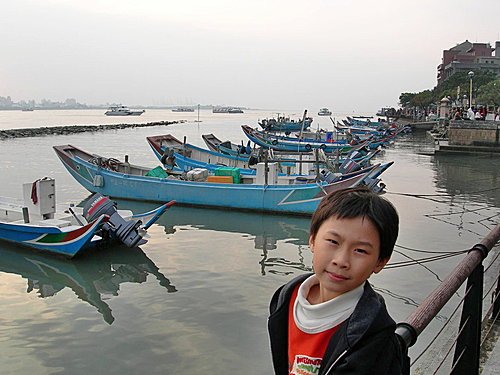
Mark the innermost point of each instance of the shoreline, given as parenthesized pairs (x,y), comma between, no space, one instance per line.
(73,129)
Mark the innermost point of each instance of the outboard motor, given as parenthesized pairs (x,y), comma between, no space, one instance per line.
(126,231)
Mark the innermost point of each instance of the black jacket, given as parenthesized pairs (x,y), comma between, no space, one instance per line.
(364,344)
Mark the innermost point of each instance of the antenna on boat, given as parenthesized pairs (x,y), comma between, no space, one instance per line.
(303,122)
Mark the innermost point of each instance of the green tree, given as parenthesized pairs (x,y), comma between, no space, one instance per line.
(450,88)
(489,94)
(423,99)
(405,99)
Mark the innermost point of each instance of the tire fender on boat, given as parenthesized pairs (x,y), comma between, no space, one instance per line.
(323,146)
(308,147)
(274,142)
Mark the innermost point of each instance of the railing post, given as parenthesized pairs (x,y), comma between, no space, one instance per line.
(496,301)
(466,357)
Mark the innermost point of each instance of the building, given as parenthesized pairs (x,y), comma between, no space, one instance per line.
(469,56)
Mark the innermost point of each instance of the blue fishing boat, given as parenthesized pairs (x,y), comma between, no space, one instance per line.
(288,144)
(183,156)
(367,122)
(35,223)
(260,192)
(285,124)
(227,147)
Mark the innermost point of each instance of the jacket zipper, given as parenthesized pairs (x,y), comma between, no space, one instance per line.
(334,363)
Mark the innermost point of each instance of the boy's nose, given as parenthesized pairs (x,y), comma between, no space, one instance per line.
(341,258)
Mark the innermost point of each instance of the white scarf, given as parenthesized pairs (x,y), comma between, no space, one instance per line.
(323,316)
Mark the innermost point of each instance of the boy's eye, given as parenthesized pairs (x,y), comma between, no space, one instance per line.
(361,251)
(331,240)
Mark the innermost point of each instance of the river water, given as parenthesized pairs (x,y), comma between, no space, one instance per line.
(194,299)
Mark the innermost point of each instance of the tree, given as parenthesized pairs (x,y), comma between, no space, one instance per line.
(450,88)
(405,99)
(423,99)
(489,94)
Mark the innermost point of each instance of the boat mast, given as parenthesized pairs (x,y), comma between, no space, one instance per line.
(198,114)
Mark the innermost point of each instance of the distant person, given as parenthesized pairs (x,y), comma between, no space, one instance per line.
(477,116)
(332,321)
(470,114)
(484,112)
(457,115)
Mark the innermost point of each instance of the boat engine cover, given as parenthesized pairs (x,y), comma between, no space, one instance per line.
(119,228)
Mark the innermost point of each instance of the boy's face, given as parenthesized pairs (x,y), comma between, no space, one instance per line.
(345,254)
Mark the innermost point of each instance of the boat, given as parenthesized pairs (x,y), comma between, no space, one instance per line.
(324,112)
(220,109)
(34,222)
(386,111)
(183,109)
(186,156)
(260,192)
(367,122)
(27,109)
(183,156)
(289,144)
(121,110)
(285,124)
(360,156)
(226,147)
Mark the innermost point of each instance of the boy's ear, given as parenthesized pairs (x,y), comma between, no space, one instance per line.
(380,264)
(311,243)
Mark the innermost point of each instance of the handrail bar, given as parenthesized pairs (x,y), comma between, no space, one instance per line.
(409,329)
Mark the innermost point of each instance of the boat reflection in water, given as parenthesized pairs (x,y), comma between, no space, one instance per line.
(92,278)
(266,230)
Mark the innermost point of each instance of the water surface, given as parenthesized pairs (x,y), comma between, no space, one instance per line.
(194,299)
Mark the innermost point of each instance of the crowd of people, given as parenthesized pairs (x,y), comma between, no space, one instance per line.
(474,113)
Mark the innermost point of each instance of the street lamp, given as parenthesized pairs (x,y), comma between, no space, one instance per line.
(471,75)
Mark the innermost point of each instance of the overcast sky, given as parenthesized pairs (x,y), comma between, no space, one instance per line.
(347,55)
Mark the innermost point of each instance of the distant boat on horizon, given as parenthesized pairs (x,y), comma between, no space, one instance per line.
(227,110)
(183,109)
(324,112)
(28,109)
(121,110)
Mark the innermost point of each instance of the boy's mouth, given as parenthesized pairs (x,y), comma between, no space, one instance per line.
(336,277)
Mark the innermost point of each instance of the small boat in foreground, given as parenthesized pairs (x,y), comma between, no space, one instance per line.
(259,192)
(121,110)
(34,222)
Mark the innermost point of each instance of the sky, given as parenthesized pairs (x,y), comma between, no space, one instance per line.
(346,55)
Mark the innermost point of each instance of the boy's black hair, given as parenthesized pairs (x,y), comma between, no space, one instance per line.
(360,202)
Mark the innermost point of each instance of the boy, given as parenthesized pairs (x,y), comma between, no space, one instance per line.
(332,321)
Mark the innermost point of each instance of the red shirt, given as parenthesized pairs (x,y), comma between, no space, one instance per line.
(305,350)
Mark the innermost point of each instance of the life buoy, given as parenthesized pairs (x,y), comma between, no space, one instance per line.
(323,146)
(274,142)
(308,147)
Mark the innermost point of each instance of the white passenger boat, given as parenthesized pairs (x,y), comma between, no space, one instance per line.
(121,110)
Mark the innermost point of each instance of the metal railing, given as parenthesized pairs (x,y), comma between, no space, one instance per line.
(468,342)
